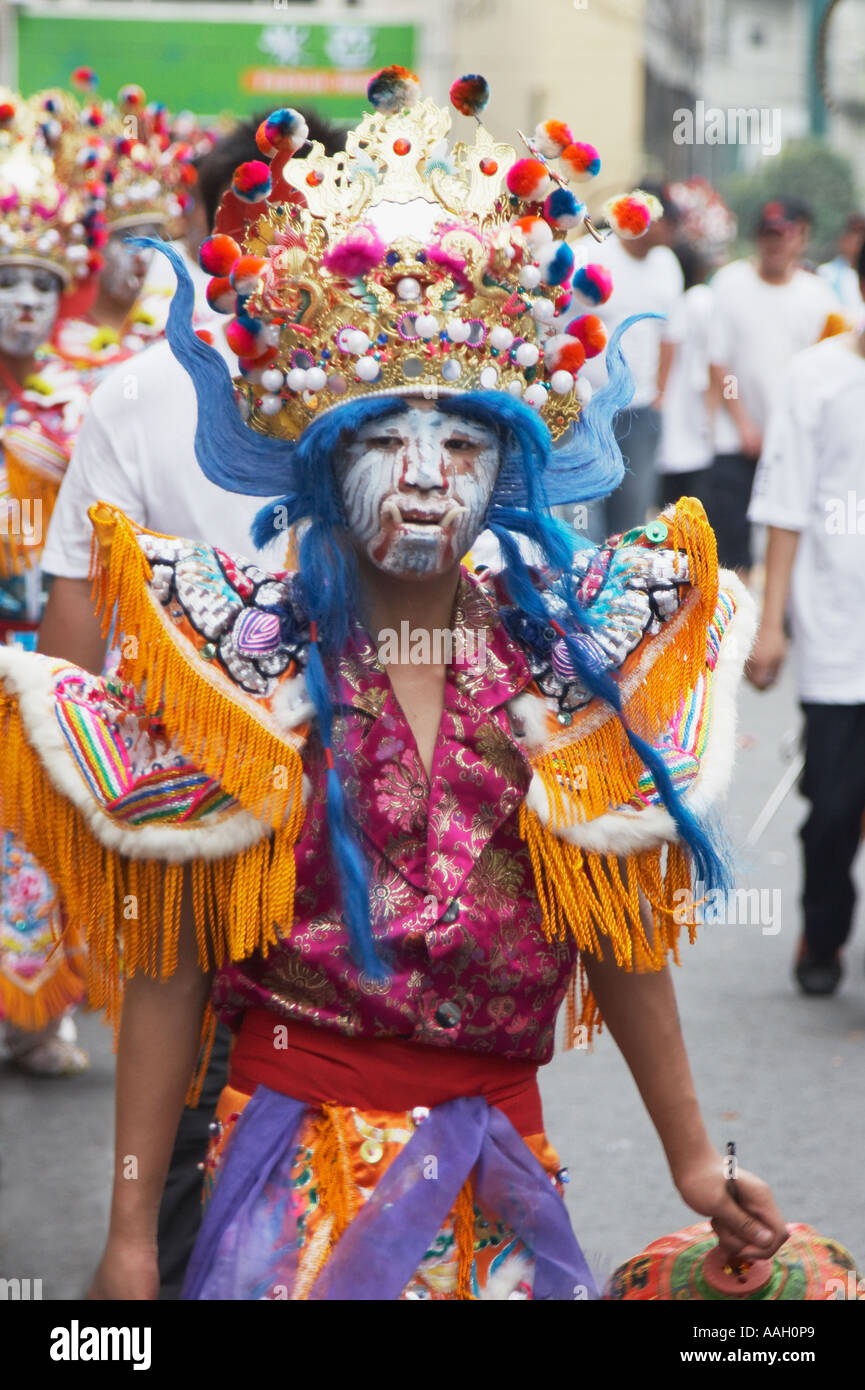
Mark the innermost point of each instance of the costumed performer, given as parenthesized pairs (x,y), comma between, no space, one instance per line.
(49,238)
(387,874)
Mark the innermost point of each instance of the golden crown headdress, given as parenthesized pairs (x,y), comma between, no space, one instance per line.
(126,144)
(399,266)
(49,214)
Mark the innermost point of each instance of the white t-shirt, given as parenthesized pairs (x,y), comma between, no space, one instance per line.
(651,285)
(138,453)
(756,329)
(810,478)
(686,434)
(844,282)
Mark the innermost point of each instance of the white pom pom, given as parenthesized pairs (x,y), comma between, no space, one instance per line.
(368,369)
(501,337)
(315,379)
(527,354)
(538,234)
(457,330)
(515,389)
(296,379)
(535,396)
(584,391)
(270,405)
(543,310)
(357,341)
(272,379)
(561,382)
(426,325)
(530,277)
(408,288)
(488,378)
(269,335)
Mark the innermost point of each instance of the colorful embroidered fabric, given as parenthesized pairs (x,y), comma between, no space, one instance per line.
(481,895)
(39,979)
(338,1158)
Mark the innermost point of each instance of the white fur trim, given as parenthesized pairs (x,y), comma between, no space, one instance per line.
(291,704)
(31,679)
(631,831)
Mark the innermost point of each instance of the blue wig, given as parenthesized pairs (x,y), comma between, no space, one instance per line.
(585,465)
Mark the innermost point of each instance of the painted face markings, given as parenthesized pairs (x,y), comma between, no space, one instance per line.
(416,486)
(29,301)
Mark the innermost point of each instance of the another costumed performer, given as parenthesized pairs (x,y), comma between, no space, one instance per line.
(407,864)
(47,241)
(144,176)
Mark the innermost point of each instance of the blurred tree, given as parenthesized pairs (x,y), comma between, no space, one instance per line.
(806,169)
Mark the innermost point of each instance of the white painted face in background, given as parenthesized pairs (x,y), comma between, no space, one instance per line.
(416,486)
(29,301)
(125,268)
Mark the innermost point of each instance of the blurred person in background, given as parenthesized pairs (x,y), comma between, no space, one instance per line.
(767,308)
(807,492)
(842,272)
(647,278)
(138,453)
(685,447)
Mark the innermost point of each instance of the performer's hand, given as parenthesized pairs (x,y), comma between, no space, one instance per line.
(748,1226)
(767,657)
(128,1270)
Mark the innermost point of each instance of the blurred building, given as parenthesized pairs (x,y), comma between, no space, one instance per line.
(756,59)
(576,60)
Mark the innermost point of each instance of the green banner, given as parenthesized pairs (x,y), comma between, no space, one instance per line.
(209,66)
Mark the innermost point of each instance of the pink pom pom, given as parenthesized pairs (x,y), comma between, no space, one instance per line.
(593,285)
(242,341)
(528,179)
(582,160)
(551,137)
(251,182)
(218,253)
(356,254)
(283,132)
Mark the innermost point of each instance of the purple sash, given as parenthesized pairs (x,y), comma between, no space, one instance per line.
(249,1243)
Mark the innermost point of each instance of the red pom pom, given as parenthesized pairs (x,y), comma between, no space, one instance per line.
(528,179)
(84,79)
(246,273)
(583,160)
(205,335)
(589,331)
(571,358)
(239,338)
(221,295)
(218,254)
(470,94)
(7,111)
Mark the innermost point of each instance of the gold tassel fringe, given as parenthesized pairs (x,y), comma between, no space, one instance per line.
(220,734)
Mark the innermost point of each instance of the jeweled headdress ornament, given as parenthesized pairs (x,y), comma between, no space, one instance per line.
(403,266)
(50,209)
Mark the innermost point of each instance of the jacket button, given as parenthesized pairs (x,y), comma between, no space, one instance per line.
(448,1014)
(452,911)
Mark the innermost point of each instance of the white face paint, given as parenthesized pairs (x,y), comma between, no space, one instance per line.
(415,488)
(125,268)
(29,301)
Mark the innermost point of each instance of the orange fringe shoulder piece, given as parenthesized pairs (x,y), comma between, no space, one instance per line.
(599,838)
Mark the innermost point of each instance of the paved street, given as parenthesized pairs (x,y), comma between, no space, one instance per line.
(779,1074)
